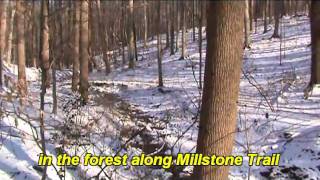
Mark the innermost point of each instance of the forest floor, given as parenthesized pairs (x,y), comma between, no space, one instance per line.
(128,113)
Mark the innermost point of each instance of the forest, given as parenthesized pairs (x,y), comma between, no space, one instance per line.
(159,89)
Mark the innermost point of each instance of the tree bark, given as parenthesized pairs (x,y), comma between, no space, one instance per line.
(123,32)
(276,19)
(183,29)
(315,43)
(193,21)
(54,89)
(103,39)
(22,81)
(75,71)
(296,4)
(130,36)
(8,50)
(167,7)
(256,3)
(172,28)
(270,11)
(160,82)
(45,66)
(247,40)
(33,37)
(222,77)
(84,46)
(251,8)
(44,45)
(135,42)
(145,23)
(61,15)
(200,43)
(178,24)
(3,26)
(265,16)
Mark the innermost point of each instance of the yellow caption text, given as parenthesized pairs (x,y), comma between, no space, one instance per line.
(187,159)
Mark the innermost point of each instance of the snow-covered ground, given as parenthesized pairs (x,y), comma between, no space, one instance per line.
(128,113)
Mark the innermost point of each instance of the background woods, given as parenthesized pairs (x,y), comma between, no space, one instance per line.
(159,78)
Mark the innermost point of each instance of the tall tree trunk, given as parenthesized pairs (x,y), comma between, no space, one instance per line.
(296,4)
(200,43)
(256,9)
(44,45)
(247,40)
(315,43)
(3,26)
(251,8)
(8,50)
(28,35)
(131,36)
(145,23)
(308,6)
(276,19)
(193,21)
(265,17)
(53,66)
(222,77)
(167,7)
(54,89)
(172,28)
(84,46)
(33,37)
(150,20)
(75,71)
(135,42)
(61,16)
(178,24)
(68,35)
(123,32)
(103,39)
(270,11)
(91,35)
(22,81)
(45,66)
(183,29)
(160,82)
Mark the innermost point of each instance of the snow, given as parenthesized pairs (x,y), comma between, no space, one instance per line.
(273,116)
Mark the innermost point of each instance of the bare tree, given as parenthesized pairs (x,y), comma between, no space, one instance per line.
(172,28)
(315,46)
(44,45)
(45,67)
(247,40)
(193,20)
(131,35)
(177,23)
(84,46)
(10,32)
(103,39)
(167,7)
(3,26)
(75,71)
(33,37)
(145,23)
(123,32)
(200,43)
(277,13)
(221,88)
(251,10)
(183,29)
(22,81)
(265,16)
(159,45)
